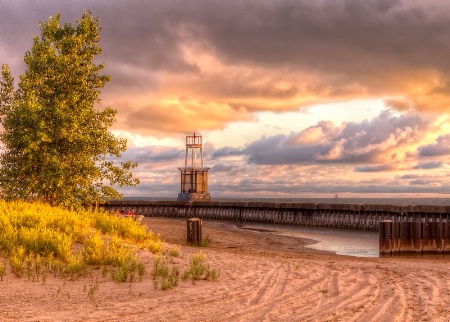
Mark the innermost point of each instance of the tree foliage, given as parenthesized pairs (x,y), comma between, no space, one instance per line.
(56,144)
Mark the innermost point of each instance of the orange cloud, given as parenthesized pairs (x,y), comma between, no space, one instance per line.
(180,115)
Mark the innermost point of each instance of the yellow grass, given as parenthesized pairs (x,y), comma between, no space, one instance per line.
(37,239)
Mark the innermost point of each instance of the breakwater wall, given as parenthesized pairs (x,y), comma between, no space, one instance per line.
(397,238)
(344,216)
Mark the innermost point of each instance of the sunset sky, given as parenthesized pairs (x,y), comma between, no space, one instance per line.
(293,98)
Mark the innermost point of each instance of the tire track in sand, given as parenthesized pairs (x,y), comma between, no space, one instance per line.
(275,293)
(268,294)
(388,306)
(264,286)
(348,291)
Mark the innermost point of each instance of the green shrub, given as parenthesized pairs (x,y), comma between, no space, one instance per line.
(165,275)
(212,274)
(174,251)
(199,269)
(141,270)
(120,274)
(205,241)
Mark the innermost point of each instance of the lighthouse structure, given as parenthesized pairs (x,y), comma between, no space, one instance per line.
(194,177)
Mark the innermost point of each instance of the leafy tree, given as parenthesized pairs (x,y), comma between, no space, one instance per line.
(56,145)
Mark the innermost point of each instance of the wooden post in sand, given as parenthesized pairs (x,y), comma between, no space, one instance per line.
(194,231)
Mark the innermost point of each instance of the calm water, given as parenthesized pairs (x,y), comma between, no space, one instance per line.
(342,242)
(388,201)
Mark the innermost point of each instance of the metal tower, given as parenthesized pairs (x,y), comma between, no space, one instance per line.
(194,178)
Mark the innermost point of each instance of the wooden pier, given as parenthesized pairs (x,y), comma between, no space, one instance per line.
(343,216)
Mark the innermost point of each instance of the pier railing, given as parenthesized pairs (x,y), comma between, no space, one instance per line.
(345,216)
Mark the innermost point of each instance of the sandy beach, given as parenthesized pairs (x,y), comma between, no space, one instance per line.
(264,277)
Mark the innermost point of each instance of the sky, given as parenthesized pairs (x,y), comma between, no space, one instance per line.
(294,99)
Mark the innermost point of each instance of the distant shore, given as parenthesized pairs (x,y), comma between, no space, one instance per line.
(385,201)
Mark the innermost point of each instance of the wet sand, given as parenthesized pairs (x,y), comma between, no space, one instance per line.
(264,277)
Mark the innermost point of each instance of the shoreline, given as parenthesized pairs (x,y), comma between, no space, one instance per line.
(305,242)
(318,240)
(263,277)
(225,234)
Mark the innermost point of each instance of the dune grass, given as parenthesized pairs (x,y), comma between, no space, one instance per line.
(199,269)
(38,239)
(165,273)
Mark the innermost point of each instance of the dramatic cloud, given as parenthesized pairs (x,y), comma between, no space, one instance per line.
(373,168)
(377,140)
(231,170)
(180,66)
(226,151)
(440,148)
(420,182)
(429,165)
(154,154)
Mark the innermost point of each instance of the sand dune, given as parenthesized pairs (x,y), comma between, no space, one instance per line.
(263,278)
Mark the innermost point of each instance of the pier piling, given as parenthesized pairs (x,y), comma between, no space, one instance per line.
(414,237)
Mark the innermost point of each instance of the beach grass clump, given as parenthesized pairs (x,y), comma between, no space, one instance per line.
(199,269)
(16,260)
(2,270)
(75,267)
(174,251)
(94,288)
(38,239)
(205,241)
(165,273)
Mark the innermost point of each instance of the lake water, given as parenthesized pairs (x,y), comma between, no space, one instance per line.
(342,242)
